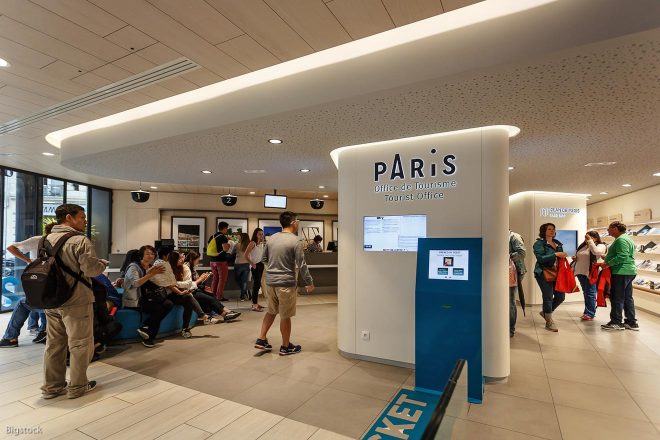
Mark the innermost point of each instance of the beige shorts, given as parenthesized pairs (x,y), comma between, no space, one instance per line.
(281,300)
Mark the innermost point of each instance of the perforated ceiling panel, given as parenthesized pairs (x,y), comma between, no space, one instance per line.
(591,104)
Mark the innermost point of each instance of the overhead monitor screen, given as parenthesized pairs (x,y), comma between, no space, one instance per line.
(449,264)
(568,238)
(274,201)
(393,233)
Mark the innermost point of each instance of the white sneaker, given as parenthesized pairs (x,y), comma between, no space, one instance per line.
(186,333)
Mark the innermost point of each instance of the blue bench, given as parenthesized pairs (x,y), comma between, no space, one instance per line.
(130,321)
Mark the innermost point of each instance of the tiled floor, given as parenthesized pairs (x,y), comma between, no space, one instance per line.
(580,383)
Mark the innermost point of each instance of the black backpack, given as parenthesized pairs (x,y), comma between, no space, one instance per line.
(43,280)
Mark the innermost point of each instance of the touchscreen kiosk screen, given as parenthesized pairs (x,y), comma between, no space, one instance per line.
(393,233)
(448,264)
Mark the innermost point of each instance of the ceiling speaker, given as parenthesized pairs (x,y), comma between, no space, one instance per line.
(316,203)
(140,196)
(228,200)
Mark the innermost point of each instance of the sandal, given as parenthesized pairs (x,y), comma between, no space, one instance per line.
(257,308)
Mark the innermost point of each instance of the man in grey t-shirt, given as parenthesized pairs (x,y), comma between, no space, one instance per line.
(282,255)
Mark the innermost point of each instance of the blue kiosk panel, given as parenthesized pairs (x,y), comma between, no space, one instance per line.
(448,313)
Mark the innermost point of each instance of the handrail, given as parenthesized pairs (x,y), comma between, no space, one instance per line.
(441,407)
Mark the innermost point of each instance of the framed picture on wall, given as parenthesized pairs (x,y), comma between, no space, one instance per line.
(235,228)
(188,233)
(309,229)
(270,226)
(335,230)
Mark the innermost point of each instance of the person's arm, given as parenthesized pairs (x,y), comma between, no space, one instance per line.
(302,267)
(224,241)
(519,251)
(187,283)
(597,249)
(264,257)
(90,264)
(18,254)
(246,254)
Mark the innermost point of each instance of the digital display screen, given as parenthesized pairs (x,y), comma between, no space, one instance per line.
(449,264)
(568,238)
(393,233)
(274,201)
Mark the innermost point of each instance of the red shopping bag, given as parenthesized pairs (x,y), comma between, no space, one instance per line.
(565,277)
(593,273)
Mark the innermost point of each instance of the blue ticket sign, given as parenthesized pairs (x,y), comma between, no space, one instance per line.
(448,313)
(405,417)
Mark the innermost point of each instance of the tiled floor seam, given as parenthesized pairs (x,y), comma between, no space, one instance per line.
(554,405)
(625,388)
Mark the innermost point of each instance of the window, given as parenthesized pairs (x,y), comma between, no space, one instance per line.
(52,191)
(100,221)
(28,203)
(19,221)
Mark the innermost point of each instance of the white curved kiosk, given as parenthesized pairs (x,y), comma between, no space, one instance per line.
(457,184)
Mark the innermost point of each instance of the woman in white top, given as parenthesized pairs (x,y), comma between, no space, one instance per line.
(588,253)
(253,253)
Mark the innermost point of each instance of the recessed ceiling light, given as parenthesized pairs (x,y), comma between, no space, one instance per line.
(304,170)
(206,172)
(511,168)
(252,192)
(275,141)
(599,164)
(627,185)
(48,154)
(603,193)
(4,63)
(325,196)
(254,171)
(656,174)
(153,187)
(321,186)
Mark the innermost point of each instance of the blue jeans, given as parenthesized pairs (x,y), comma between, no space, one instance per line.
(589,291)
(33,319)
(241,272)
(18,317)
(551,298)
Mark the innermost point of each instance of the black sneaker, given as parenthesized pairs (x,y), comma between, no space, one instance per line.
(262,344)
(142,331)
(291,349)
(6,343)
(231,316)
(612,326)
(149,343)
(634,326)
(40,338)
(90,386)
(100,349)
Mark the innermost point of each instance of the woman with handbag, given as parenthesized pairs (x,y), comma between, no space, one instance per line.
(586,269)
(547,250)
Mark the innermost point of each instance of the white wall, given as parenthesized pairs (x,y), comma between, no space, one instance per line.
(647,198)
(377,289)
(136,224)
(526,217)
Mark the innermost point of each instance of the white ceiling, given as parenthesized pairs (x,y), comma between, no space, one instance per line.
(592,103)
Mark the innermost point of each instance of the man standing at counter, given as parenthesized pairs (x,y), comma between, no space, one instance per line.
(621,260)
(282,255)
